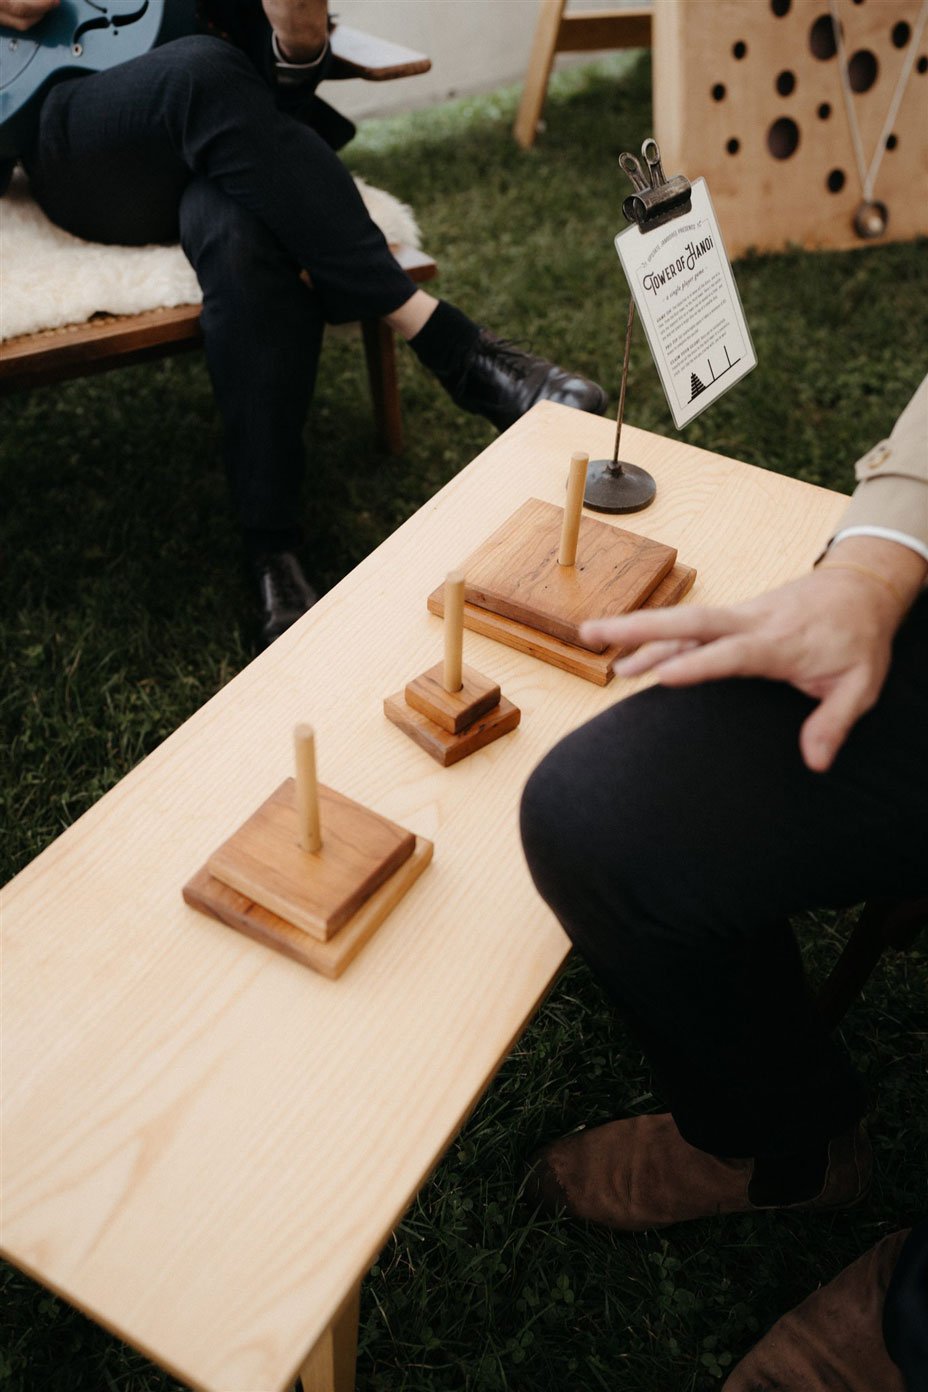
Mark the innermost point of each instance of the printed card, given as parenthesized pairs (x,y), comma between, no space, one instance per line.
(686,295)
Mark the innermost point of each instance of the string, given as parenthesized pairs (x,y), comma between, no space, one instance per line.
(867,176)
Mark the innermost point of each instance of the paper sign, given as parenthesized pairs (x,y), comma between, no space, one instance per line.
(686,296)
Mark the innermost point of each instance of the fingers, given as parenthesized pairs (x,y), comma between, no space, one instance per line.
(829,725)
(692,624)
(649,656)
(729,657)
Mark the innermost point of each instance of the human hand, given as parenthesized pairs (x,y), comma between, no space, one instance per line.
(301,26)
(23,14)
(829,634)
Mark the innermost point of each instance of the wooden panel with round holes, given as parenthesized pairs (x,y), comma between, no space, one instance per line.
(750,96)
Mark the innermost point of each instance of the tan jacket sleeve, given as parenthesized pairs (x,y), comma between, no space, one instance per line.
(892,491)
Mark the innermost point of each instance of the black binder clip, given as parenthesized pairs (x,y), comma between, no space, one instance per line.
(656,199)
(612,486)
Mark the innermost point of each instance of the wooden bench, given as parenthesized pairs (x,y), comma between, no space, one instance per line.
(107,340)
(575,31)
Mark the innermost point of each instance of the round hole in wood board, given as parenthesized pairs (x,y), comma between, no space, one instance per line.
(783,138)
(822,38)
(862,70)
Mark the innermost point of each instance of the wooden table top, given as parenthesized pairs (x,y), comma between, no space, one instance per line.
(204,1143)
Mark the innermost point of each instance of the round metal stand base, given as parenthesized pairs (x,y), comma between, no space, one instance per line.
(627,490)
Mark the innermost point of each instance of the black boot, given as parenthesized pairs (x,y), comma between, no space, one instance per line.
(284,592)
(501,382)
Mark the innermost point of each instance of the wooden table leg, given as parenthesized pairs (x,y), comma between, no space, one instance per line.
(544,47)
(330,1365)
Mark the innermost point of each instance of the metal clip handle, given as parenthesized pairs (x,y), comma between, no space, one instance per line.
(632,168)
(652,158)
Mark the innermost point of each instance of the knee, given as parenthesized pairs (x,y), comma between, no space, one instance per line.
(202,77)
(575,828)
(224,241)
(598,823)
(552,814)
(202,61)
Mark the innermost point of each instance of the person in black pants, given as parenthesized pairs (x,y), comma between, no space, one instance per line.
(780,764)
(218,139)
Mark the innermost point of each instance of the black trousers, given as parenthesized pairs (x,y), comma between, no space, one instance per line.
(188,142)
(674,835)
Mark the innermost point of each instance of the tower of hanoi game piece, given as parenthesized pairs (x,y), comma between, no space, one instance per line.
(451,710)
(573,508)
(311,873)
(546,569)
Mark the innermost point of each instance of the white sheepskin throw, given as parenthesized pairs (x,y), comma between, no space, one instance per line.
(49,278)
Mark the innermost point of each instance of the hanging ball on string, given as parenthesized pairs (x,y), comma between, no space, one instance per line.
(870,220)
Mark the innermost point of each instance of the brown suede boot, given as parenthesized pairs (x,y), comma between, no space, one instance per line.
(833,1341)
(641,1173)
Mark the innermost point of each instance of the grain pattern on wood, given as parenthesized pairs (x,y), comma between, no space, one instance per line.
(211,896)
(595,667)
(452,710)
(153,1090)
(516,573)
(444,747)
(316,892)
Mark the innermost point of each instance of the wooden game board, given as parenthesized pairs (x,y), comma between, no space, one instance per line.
(516,574)
(518,594)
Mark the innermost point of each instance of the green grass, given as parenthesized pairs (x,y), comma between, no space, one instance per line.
(124,609)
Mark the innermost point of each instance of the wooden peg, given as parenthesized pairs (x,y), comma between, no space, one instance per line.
(452,671)
(307,789)
(570,527)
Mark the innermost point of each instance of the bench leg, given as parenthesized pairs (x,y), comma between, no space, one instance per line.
(330,1366)
(538,73)
(380,352)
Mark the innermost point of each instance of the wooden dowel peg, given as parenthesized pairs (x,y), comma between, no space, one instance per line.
(570,528)
(307,789)
(452,670)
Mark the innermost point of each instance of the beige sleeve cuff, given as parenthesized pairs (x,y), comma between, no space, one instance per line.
(892,492)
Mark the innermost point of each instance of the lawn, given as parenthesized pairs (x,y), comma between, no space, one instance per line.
(124,608)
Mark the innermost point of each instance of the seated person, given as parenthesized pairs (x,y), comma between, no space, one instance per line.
(779,764)
(218,140)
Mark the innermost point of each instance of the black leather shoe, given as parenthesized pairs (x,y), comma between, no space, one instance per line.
(284,591)
(501,382)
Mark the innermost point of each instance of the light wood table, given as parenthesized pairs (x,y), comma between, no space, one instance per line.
(204,1143)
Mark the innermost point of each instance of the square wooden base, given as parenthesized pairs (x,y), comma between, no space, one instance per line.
(315,892)
(443,746)
(594,667)
(454,711)
(515,573)
(212,897)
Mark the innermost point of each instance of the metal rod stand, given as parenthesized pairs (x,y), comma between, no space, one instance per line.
(612,486)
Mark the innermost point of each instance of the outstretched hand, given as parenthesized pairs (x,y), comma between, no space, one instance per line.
(829,634)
